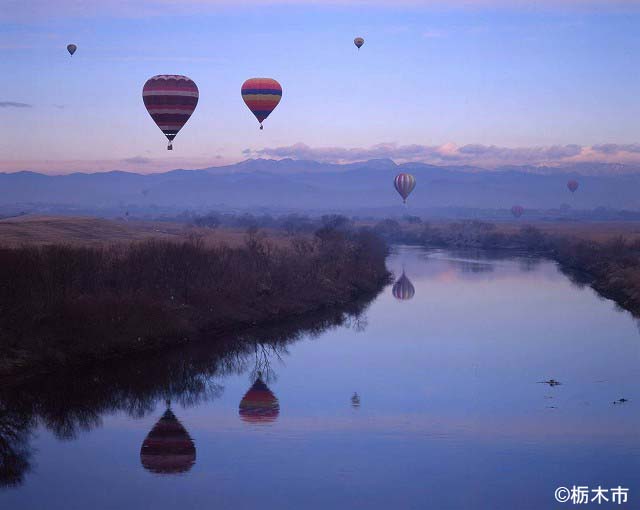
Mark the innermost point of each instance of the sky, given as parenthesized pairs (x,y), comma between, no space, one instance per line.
(485,82)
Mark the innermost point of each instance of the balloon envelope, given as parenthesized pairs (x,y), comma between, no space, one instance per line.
(71,48)
(358,41)
(259,404)
(170,100)
(403,289)
(573,186)
(261,95)
(168,448)
(404,184)
(517,210)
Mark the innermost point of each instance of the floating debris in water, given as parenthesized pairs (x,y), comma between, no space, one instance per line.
(550,382)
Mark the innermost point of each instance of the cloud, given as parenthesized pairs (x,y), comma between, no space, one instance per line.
(137,160)
(487,156)
(13,104)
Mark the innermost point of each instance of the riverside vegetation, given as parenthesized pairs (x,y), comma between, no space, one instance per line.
(62,305)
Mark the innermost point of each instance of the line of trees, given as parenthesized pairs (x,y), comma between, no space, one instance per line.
(67,304)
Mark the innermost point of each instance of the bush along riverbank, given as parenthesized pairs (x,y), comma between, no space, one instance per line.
(66,305)
(611,267)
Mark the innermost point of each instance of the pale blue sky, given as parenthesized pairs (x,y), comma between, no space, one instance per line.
(538,74)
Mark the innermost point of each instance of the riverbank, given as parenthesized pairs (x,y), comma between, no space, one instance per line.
(606,258)
(69,305)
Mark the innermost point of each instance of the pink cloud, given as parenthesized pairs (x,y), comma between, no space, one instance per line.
(487,156)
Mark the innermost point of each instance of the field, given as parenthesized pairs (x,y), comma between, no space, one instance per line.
(43,230)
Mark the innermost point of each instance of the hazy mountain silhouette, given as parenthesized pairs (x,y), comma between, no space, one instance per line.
(310,185)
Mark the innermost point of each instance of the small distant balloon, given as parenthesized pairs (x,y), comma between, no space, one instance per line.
(403,289)
(517,210)
(261,95)
(573,186)
(71,48)
(170,99)
(358,41)
(404,183)
(355,400)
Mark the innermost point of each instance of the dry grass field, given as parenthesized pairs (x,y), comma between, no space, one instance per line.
(41,230)
(584,231)
(593,231)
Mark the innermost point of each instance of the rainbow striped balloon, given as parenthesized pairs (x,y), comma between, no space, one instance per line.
(404,184)
(261,95)
(170,99)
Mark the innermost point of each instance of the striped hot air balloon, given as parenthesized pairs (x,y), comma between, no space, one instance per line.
(517,210)
(168,448)
(259,404)
(403,289)
(404,184)
(358,41)
(71,48)
(261,95)
(573,186)
(170,99)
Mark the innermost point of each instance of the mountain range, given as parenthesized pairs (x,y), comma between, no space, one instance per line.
(294,185)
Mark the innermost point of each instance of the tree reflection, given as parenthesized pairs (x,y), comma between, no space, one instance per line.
(68,404)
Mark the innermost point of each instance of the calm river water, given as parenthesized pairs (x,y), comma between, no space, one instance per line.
(432,397)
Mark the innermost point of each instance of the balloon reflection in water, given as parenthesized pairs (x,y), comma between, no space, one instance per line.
(168,448)
(259,404)
(403,288)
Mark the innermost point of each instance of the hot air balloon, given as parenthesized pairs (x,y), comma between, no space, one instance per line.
(358,41)
(168,448)
(261,95)
(259,404)
(404,184)
(573,186)
(71,48)
(403,288)
(170,100)
(355,400)
(517,210)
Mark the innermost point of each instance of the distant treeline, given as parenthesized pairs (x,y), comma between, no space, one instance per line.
(290,223)
(62,305)
(611,267)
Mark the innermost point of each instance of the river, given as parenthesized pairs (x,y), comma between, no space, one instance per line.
(432,395)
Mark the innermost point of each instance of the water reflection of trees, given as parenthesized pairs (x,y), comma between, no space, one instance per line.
(69,404)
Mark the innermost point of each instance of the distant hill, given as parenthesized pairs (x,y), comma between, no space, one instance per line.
(291,185)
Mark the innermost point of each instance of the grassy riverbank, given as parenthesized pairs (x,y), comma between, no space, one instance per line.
(64,305)
(605,256)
